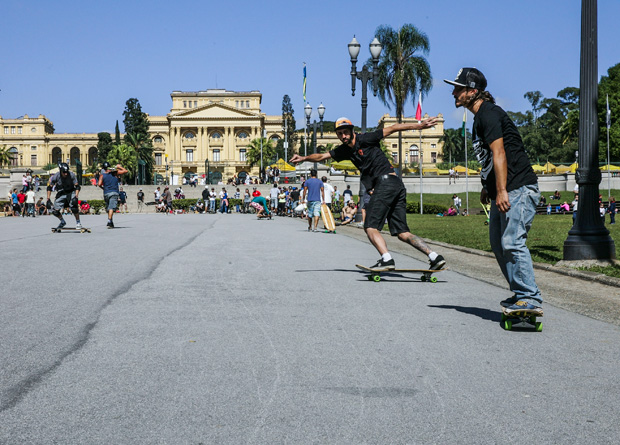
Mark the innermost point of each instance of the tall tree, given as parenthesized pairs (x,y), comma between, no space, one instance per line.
(104,145)
(117,134)
(124,155)
(288,117)
(402,70)
(5,156)
(609,85)
(136,122)
(452,141)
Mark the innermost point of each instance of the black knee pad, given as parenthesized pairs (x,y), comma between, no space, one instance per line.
(56,213)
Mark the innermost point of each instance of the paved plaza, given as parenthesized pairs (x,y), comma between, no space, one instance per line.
(222,329)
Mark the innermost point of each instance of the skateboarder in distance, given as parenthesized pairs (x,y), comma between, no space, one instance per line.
(389,199)
(67,190)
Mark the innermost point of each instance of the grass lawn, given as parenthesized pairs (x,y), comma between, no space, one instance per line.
(545,241)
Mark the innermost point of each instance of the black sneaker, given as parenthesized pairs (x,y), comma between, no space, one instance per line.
(381,265)
(439,263)
(110,225)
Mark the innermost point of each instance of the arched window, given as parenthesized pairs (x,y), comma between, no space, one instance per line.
(92,155)
(275,138)
(74,155)
(216,135)
(158,140)
(189,135)
(242,135)
(56,155)
(14,156)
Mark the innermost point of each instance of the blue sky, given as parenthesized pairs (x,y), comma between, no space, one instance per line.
(77,62)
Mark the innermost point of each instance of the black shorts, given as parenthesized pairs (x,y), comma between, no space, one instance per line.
(388,201)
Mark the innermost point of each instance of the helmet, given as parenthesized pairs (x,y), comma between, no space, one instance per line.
(64,167)
(105,165)
(343,122)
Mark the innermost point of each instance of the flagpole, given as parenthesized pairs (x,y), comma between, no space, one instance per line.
(418,116)
(608,159)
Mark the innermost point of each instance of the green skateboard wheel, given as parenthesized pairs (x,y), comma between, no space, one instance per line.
(508,325)
(423,278)
(539,326)
(433,279)
(376,278)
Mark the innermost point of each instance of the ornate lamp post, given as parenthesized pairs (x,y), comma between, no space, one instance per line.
(365,75)
(588,239)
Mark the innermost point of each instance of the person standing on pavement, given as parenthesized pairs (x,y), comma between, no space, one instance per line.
(140,197)
(67,188)
(122,200)
(508,182)
(109,182)
(166,199)
(205,195)
(314,194)
(389,198)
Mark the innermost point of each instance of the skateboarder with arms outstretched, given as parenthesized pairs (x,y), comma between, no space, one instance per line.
(508,183)
(389,198)
(67,188)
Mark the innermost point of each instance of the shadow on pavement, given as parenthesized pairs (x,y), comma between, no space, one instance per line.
(485,314)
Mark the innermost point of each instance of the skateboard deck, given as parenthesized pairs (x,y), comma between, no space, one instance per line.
(375,275)
(328,218)
(70,229)
(523,317)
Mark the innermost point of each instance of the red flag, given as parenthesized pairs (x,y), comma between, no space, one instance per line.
(418,111)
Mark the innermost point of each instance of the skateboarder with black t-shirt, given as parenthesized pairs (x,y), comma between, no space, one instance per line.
(508,183)
(389,196)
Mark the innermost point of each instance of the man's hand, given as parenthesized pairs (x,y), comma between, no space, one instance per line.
(427,123)
(297,159)
(484,197)
(502,202)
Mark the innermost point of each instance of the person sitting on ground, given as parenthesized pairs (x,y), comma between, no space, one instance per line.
(200,206)
(543,201)
(556,196)
(452,211)
(348,213)
(565,207)
(84,207)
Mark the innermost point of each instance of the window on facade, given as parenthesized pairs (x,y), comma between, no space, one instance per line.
(434,157)
(6,130)
(243,135)
(275,138)
(247,104)
(394,145)
(12,130)
(157,158)
(33,160)
(216,135)
(243,155)
(33,147)
(216,155)
(414,155)
(184,104)
(195,103)
(433,146)
(189,155)
(189,135)
(158,139)
(19,130)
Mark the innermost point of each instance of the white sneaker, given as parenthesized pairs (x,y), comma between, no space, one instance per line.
(78,226)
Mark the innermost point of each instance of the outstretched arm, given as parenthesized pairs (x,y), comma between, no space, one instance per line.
(315,157)
(426,123)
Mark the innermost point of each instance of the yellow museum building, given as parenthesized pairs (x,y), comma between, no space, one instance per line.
(215,125)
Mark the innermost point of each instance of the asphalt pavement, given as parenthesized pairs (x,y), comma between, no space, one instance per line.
(223,329)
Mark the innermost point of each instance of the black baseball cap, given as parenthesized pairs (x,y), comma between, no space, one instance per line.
(469,78)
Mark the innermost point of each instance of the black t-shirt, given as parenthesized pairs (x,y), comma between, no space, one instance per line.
(366,156)
(295,195)
(140,196)
(492,123)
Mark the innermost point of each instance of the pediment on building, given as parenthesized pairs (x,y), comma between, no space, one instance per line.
(213,111)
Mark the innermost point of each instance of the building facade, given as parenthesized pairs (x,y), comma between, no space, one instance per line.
(204,131)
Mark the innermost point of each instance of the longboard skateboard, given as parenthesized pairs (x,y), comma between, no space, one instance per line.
(375,275)
(328,218)
(70,229)
(523,317)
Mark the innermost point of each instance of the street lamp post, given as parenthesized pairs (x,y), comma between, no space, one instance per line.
(365,75)
(321,111)
(206,172)
(588,239)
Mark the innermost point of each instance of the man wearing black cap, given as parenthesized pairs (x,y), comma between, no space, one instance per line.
(389,198)
(508,182)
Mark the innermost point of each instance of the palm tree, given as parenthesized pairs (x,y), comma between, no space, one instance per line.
(253,154)
(452,141)
(5,156)
(402,72)
(124,155)
(144,152)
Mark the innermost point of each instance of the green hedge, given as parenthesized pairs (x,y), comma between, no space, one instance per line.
(429,209)
(185,204)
